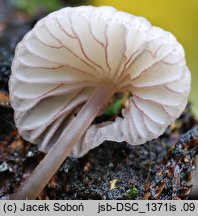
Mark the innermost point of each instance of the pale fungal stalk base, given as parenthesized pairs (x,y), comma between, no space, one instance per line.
(31,188)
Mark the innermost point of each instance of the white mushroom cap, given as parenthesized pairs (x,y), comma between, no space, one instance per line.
(64,57)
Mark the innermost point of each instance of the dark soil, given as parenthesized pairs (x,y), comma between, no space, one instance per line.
(160,169)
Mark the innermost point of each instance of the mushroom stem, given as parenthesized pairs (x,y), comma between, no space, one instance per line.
(33,185)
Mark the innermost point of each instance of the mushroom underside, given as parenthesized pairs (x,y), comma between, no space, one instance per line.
(68,53)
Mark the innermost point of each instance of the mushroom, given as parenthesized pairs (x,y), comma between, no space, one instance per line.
(73,61)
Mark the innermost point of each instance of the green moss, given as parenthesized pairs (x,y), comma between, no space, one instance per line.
(114,108)
(33,6)
(132,192)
